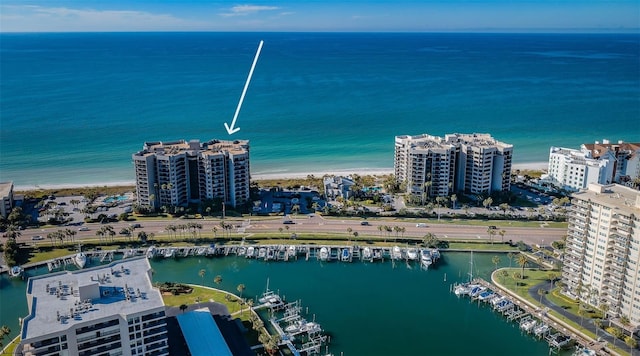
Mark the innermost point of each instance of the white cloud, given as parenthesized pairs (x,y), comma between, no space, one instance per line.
(31,18)
(243,10)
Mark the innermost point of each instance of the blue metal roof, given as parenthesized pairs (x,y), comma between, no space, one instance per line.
(202,334)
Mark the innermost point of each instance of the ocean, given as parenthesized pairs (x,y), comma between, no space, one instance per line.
(75,106)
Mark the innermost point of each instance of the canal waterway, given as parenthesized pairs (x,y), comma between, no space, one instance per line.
(367,308)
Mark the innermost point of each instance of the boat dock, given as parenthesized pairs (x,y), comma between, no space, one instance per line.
(284,253)
(300,336)
(532,320)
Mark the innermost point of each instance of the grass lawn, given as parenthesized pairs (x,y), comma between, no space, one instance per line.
(537,276)
(205,295)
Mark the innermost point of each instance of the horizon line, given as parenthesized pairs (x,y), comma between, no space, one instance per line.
(631,31)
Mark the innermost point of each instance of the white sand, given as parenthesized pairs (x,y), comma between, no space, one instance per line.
(539,166)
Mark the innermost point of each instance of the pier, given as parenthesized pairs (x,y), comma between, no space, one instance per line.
(532,319)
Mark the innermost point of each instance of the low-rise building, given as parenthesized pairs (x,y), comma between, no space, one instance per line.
(107,310)
(602,163)
(337,186)
(573,170)
(626,164)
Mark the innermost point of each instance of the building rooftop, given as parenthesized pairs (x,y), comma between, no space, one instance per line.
(193,146)
(58,301)
(623,199)
(5,189)
(202,334)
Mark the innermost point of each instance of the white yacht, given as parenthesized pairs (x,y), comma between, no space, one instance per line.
(425,258)
(396,253)
(80,259)
(366,253)
(324,253)
(412,254)
(250,251)
(151,252)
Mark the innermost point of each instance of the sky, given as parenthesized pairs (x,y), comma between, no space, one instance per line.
(321,15)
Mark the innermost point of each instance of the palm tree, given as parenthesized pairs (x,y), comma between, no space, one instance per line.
(217,279)
(4,330)
(510,256)
(453,199)
(241,289)
(201,273)
(540,293)
(495,260)
(249,304)
(502,233)
(491,233)
(522,262)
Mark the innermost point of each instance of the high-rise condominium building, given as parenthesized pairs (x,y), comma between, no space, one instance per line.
(178,173)
(575,169)
(602,258)
(470,163)
(107,310)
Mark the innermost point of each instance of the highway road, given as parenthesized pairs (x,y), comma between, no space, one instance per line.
(531,235)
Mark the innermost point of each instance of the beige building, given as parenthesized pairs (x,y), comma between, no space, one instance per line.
(602,258)
(179,172)
(470,163)
(6,197)
(107,310)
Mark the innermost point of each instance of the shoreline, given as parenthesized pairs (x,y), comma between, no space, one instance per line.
(535,166)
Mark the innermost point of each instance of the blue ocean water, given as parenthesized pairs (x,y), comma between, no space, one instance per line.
(75,106)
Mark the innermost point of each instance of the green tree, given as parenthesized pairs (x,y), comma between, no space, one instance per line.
(217,279)
(183,307)
(487,202)
(241,287)
(510,256)
(496,261)
(541,292)
(522,262)
(4,331)
(502,233)
(631,342)
(201,273)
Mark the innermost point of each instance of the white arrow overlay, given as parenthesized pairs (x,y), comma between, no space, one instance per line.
(232,129)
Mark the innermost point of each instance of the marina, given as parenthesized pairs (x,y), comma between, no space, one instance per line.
(531,320)
(342,294)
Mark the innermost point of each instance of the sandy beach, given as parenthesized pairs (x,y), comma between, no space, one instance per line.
(262,176)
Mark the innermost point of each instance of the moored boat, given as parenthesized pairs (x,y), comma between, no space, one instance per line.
(345,254)
(396,253)
(151,252)
(412,254)
(324,253)
(425,258)
(16,271)
(250,252)
(366,253)
(80,260)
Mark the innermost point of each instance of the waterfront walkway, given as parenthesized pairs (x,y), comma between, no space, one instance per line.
(587,324)
(559,324)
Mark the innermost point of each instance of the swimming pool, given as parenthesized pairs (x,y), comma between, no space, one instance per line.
(116,199)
